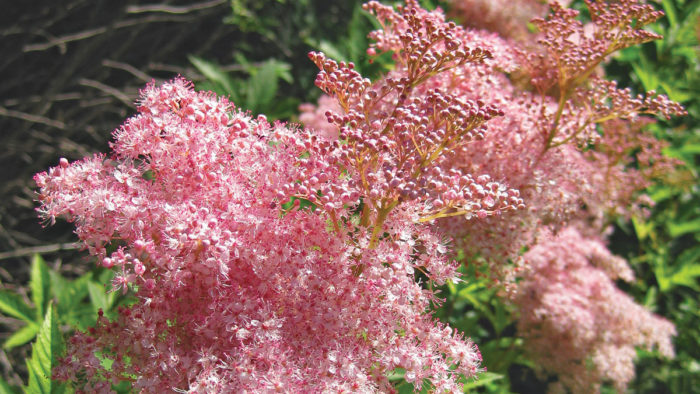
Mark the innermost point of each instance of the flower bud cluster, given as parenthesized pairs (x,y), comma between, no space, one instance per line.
(606,101)
(599,102)
(398,143)
(573,50)
(422,42)
(236,291)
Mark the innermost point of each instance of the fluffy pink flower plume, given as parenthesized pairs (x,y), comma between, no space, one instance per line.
(232,291)
(197,211)
(574,146)
(508,18)
(576,322)
(236,291)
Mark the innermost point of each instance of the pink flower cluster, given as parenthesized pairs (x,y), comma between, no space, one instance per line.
(570,145)
(199,212)
(508,18)
(234,290)
(576,322)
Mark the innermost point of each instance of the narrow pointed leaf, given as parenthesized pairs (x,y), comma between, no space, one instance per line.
(68,293)
(46,350)
(212,72)
(13,305)
(98,296)
(39,283)
(262,88)
(21,336)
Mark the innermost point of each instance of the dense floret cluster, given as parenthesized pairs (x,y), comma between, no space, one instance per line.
(574,146)
(234,290)
(267,257)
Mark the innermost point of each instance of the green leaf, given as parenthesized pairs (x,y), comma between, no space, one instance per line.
(641,228)
(686,276)
(647,77)
(39,283)
(6,388)
(670,12)
(331,51)
(98,296)
(676,94)
(482,380)
(68,293)
(21,336)
(282,70)
(13,305)
(46,350)
(678,229)
(262,87)
(212,72)
(80,317)
(357,34)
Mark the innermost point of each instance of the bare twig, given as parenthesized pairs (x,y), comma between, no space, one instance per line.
(172,9)
(128,68)
(191,73)
(153,19)
(108,89)
(32,118)
(36,99)
(39,249)
(169,68)
(64,39)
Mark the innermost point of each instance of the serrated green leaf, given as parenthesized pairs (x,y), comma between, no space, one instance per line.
(331,51)
(21,336)
(13,305)
(123,387)
(690,149)
(46,350)
(80,317)
(690,256)
(650,297)
(688,52)
(282,70)
(641,228)
(660,194)
(357,34)
(405,388)
(628,55)
(39,283)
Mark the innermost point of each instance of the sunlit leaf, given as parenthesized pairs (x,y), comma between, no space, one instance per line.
(39,283)
(21,336)
(13,305)
(46,350)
